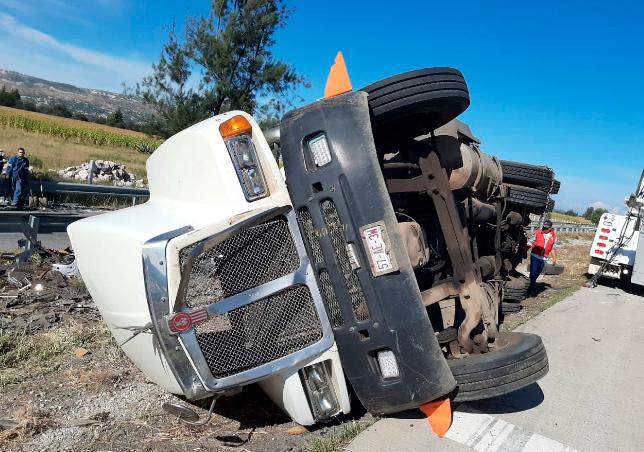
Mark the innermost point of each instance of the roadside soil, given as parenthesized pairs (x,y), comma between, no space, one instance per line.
(572,252)
(65,385)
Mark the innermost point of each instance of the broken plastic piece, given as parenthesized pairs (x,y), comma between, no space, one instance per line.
(439,415)
(69,270)
(338,81)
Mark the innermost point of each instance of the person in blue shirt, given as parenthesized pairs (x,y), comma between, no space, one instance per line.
(17,172)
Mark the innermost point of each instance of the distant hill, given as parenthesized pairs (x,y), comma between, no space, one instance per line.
(90,102)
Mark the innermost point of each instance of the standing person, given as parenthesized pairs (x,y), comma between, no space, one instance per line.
(18,172)
(542,245)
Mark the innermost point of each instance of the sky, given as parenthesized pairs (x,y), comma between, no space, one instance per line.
(551,82)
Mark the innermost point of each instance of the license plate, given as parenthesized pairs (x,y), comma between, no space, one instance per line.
(378,247)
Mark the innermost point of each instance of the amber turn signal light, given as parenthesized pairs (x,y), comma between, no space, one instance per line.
(235,126)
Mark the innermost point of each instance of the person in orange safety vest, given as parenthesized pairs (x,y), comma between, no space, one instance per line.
(541,246)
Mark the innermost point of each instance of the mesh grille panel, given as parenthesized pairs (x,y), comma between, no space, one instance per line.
(248,259)
(335,315)
(336,232)
(260,332)
(311,237)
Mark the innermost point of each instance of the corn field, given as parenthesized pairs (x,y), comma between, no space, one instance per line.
(78,131)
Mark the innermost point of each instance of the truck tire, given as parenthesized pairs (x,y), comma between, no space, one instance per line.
(532,199)
(515,289)
(553,269)
(514,295)
(526,174)
(551,189)
(550,205)
(425,99)
(508,308)
(520,361)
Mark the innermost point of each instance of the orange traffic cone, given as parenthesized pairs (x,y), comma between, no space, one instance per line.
(439,415)
(338,81)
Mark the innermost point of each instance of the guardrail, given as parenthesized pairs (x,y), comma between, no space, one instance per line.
(46,188)
(563,226)
(42,221)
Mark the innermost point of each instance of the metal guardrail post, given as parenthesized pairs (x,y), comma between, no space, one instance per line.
(90,176)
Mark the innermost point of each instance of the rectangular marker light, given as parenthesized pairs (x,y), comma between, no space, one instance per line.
(320,152)
(388,364)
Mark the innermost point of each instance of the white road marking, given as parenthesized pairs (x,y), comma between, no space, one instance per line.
(485,433)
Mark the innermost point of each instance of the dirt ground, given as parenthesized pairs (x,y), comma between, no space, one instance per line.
(65,385)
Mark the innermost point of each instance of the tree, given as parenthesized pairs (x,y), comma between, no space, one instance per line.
(571,213)
(9,98)
(589,213)
(115,119)
(596,215)
(223,62)
(59,110)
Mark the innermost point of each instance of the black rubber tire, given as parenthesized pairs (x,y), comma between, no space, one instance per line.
(447,335)
(514,295)
(427,98)
(550,205)
(553,269)
(520,363)
(508,308)
(553,190)
(515,289)
(532,199)
(526,174)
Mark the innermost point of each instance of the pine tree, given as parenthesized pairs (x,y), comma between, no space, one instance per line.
(224,62)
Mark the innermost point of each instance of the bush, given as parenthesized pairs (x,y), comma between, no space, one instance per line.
(35,162)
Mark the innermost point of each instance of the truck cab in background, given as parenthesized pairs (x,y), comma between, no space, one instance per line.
(617,251)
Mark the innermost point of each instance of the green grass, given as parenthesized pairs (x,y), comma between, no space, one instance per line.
(337,441)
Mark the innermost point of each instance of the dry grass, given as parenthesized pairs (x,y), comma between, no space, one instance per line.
(70,122)
(28,423)
(25,356)
(568,218)
(57,153)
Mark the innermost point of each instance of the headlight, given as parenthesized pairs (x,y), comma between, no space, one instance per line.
(236,133)
(319,390)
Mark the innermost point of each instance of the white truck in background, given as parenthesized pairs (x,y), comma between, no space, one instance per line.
(617,251)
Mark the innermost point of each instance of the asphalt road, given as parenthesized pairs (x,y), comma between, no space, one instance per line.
(56,240)
(591,400)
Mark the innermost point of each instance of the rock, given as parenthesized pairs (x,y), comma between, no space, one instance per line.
(80,352)
(297,430)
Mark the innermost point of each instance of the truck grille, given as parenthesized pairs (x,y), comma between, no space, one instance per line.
(336,232)
(250,258)
(260,332)
(311,237)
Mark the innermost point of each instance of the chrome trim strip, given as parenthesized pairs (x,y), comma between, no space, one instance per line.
(156,287)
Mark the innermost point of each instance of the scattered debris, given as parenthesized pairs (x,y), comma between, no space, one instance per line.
(38,294)
(80,352)
(297,430)
(103,171)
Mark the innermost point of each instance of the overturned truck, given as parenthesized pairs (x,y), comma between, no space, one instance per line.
(378,269)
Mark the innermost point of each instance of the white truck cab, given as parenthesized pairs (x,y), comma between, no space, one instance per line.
(617,251)
(213,271)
